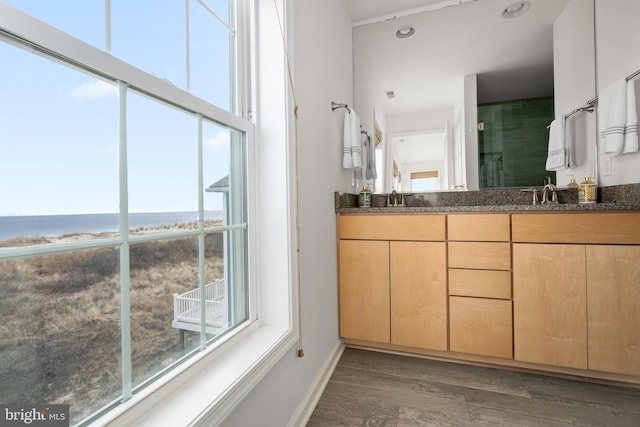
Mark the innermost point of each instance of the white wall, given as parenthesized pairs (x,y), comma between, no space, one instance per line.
(457,161)
(470,131)
(419,120)
(370,108)
(574,81)
(618,55)
(323,73)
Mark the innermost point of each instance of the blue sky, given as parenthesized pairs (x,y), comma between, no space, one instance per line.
(59,126)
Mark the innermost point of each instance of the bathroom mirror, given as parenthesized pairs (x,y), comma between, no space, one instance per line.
(424,71)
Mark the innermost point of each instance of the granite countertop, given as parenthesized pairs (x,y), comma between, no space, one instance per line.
(613,198)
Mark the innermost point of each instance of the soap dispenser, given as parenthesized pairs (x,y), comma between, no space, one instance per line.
(587,191)
(364,199)
(572,182)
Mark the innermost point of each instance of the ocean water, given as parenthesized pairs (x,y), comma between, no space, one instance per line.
(58,225)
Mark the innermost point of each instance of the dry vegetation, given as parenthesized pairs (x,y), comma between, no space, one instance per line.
(60,330)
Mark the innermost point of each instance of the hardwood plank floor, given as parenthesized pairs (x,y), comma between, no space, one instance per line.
(377,389)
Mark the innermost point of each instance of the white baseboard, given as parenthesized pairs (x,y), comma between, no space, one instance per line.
(308,403)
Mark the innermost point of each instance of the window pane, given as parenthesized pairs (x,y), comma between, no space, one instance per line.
(60,335)
(151,35)
(216,156)
(64,178)
(237,273)
(65,15)
(56,124)
(159,271)
(163,164)
(219,7)
(217,294)
(210,63)
(424,184)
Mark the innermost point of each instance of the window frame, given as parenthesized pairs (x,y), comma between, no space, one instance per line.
(269,339)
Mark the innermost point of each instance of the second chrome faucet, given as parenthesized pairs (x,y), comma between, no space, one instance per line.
(548,190)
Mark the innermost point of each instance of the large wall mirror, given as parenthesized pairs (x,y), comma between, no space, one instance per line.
(421,75)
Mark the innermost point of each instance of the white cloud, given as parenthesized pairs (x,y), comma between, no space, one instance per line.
(219,141)
(95,89)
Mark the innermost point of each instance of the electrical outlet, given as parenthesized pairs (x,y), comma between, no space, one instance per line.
(606,167)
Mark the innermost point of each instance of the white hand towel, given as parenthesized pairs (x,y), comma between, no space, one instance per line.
(557,152)
(347,161)
(612,116)
(630,143)
(356,142)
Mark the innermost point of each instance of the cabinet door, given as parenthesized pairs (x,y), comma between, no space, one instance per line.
(550,304)
(613,298)
(419,294)
(364,290)
(481,326)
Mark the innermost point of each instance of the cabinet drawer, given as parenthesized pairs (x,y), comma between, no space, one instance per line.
(392,227)
(481,326)
(480,283)
(480,255)
(479,227)
(611,227)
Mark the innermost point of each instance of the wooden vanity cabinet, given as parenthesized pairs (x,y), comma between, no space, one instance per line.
(480,307)
(392,273)
(555,291)
(576,284)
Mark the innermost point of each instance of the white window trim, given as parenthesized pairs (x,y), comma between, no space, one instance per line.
(206,388)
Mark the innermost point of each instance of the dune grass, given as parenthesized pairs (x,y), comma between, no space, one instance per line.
(60,332)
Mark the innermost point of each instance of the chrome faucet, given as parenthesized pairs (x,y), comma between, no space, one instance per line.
(545,194)
(395,199)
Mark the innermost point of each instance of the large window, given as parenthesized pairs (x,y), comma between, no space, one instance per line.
(123,181)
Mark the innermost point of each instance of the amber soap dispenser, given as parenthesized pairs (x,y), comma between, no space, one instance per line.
(587,191)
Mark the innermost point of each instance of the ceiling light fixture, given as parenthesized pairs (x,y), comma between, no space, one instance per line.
(516,9)
(405,32)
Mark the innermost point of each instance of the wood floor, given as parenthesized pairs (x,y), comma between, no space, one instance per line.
(376,389)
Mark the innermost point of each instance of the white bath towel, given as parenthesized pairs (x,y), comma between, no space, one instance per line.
(630,143)
(557,151)
(612,117)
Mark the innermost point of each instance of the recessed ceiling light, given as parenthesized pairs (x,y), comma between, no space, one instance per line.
(516,9)
(405,32)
